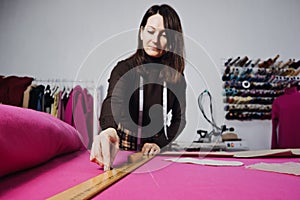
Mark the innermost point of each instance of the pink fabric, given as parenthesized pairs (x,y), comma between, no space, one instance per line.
(168,181)
(29,138)
(52,177)
(286,119)
(188,181)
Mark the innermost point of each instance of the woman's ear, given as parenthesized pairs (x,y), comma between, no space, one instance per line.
(141,32)
(168,47)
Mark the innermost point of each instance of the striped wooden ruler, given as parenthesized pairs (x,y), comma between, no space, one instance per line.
(97,184)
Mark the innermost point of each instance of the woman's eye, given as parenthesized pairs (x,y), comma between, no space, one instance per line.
(151,32)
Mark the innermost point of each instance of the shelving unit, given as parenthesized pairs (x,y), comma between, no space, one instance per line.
(250,86)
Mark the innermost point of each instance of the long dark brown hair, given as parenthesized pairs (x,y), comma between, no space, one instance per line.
(174,56)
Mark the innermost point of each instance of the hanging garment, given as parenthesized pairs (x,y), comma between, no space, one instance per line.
(64,97)
(286,120)
(54,108)
(36,98)
(12,89)
(79,113)
(69,110)
(48,100)
(26,97)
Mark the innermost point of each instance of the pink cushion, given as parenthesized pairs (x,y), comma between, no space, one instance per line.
(29,138)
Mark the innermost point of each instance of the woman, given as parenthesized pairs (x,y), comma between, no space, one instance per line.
(143,90)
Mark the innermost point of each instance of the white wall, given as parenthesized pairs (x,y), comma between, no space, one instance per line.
(78,39)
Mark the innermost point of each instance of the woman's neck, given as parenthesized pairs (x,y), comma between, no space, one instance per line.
(151,59)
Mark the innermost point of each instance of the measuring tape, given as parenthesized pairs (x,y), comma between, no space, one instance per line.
(97,184)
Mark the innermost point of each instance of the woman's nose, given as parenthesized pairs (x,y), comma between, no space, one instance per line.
(155,37)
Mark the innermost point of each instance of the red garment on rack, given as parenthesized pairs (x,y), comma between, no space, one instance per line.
(286,120)
(12,89)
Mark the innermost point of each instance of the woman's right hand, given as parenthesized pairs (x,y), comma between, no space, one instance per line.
(105,148)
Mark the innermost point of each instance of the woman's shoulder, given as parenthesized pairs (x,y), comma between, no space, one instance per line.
(180,79)
(179,85)
(125,70)
(124,66)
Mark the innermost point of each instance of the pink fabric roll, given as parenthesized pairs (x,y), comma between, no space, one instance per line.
(29,138)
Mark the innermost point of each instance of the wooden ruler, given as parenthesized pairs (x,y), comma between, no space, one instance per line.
(97,184)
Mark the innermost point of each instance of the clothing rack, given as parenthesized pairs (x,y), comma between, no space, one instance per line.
(95,91)
(59,97)
(65,86)
(69,83)
(62,80)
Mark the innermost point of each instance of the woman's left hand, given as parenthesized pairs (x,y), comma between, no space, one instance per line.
(150,149)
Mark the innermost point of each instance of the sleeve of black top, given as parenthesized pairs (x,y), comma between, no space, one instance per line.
(115,96)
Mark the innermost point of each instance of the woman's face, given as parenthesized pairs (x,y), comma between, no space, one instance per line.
(154,37)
